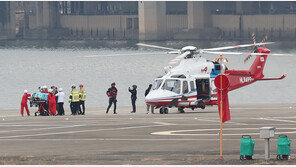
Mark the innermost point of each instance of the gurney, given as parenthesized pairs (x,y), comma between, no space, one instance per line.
(40,100)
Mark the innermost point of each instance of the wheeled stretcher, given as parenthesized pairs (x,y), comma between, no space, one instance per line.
(40,100)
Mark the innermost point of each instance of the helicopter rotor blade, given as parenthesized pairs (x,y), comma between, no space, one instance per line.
(237,46)
(248,53)
(119,54)
(254,38)
(264,39)
(247,58)
(254,48)
(178,58)
(155,46)
(174,52)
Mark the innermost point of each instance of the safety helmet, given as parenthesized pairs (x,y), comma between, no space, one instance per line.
(50,90)
(45,87)
(60,89)
(81,85)
(25,91)
(73,86)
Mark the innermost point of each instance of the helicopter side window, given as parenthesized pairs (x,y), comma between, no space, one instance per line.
(157,84)
(173,85)
(185,87)
(192,87)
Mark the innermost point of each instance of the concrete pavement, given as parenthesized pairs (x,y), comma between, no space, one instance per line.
(125,138)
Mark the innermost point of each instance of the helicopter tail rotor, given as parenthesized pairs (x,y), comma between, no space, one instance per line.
(254,50)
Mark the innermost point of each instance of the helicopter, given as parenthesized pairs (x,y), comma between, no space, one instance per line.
(190,83)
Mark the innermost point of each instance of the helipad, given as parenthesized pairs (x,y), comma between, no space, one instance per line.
(97,138)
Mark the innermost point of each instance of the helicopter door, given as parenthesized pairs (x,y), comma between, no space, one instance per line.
(185,87)
(203,89)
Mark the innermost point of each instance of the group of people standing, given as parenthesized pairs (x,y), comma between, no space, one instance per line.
(77,99)
(112,94)
(56,99)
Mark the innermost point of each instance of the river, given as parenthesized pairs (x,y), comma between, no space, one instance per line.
(30,64)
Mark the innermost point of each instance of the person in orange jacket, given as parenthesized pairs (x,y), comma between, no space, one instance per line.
(25,98)
(51,99)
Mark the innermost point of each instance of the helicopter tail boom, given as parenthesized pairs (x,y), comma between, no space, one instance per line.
(240,78)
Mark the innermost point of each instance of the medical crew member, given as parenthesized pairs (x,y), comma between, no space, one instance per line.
(112,93)
(26,96)
(74,99)
(61,100)
(51,99)
(82,98)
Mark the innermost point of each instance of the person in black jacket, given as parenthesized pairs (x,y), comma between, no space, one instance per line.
(133,91)
(148,105)
(112,93)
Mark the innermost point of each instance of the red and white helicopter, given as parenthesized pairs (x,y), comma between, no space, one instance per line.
(190,84)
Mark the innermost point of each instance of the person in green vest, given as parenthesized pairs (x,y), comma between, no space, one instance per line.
(74,100)
(82,98)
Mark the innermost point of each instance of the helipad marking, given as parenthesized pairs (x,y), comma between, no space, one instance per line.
(30,125)
(163,123)
(179,132)
(283,117)
(80,131)
(279,120)
(259,108)
(229,122)
(49,128)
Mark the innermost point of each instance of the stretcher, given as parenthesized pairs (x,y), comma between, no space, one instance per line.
(40,100)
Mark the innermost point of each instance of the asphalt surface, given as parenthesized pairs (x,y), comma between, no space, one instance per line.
(140,138)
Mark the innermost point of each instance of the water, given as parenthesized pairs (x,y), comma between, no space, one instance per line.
(30,64)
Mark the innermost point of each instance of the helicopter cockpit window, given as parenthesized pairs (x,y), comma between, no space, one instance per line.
(157,84)
(185,87)
(173,85)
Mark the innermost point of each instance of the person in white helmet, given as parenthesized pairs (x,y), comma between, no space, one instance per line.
(25,98)
(61,100)
(45,90)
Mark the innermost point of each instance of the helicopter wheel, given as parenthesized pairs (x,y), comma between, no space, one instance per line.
(181,110)
(165,110)
(161,110)
(201,104)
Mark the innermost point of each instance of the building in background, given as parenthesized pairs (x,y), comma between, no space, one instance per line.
(147,20)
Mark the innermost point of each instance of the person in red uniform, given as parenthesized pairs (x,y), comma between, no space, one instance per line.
(51,99)
(45,89)
(26,96)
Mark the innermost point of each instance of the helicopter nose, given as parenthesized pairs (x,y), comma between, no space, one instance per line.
(160,97)
(153,95)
